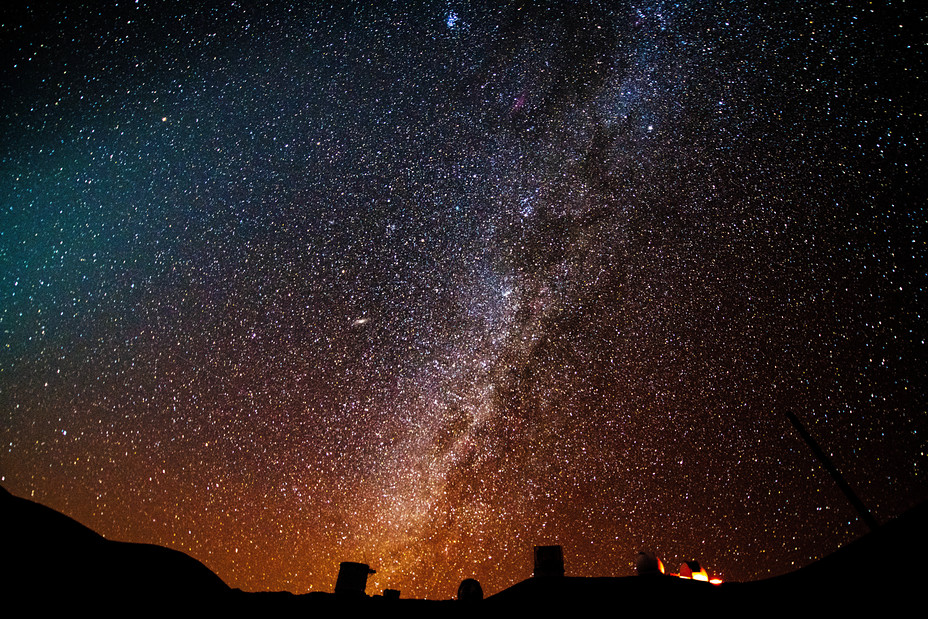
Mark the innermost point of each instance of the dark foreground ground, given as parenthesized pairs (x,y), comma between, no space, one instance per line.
(53,563)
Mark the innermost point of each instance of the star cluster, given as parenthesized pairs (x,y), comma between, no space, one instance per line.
(424,284)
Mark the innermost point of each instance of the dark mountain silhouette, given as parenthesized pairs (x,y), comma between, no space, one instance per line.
(884,565)
(52,562)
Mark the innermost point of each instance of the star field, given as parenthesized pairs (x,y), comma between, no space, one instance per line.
(425,284)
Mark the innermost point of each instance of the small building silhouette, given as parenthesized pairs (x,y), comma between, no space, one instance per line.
(470,591)
(352,579)
(648,564)
(694,571)
(549,561)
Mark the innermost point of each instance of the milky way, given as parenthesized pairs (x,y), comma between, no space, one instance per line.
(425,284)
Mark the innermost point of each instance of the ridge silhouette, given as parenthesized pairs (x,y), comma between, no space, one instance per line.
(52,562)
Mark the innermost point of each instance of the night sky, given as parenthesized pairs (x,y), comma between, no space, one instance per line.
(424,284)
